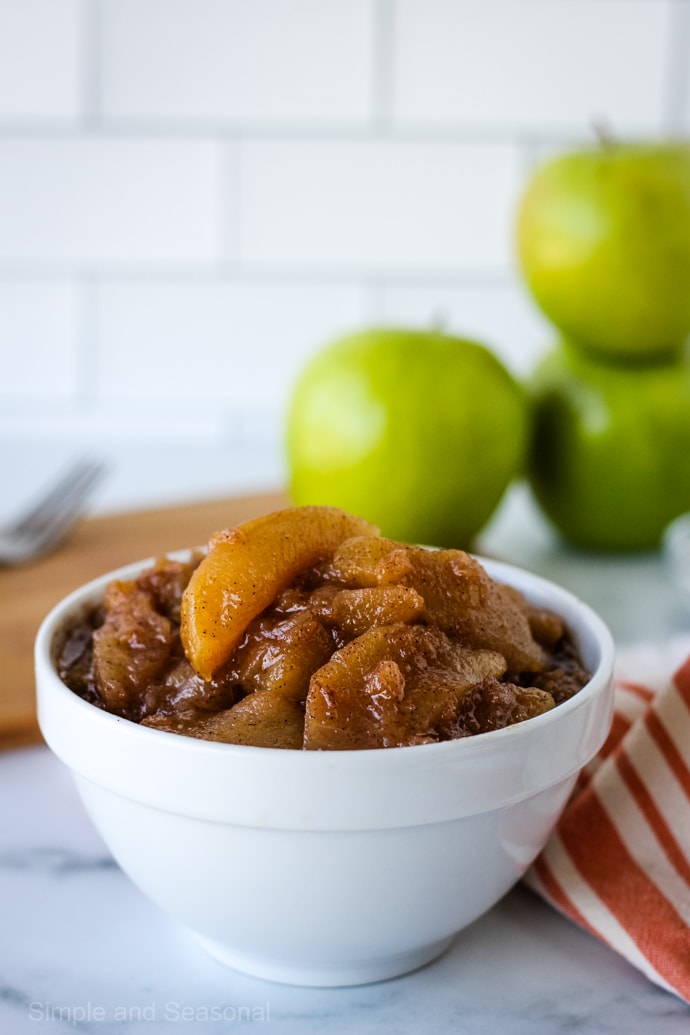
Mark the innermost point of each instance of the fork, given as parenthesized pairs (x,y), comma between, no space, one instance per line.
(43,526)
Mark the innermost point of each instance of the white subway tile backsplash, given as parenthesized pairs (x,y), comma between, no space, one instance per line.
(67,200)
(499,315)
(372,204)
(41,44)
(237,60)
(196,194)
(515,65)
(234,344)
(38,339)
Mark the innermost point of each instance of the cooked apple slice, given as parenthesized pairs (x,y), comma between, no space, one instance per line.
(492,705)
(394,685)
(131,649)
(280,654)
(459,595)
(353,611)
(366,562)
(263,719)
(244,570)
(461,598)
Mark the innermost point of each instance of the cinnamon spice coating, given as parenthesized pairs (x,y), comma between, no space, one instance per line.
(364,643)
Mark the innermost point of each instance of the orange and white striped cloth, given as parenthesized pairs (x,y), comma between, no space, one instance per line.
(618,862)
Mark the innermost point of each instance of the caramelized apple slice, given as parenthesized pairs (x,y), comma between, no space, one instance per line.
(462,599)
(262,719)
(166,581)
(280,654)
(459,595)
(131,648)
(244,570)
(353,611)
(492,705)
(392,686)
(363,561)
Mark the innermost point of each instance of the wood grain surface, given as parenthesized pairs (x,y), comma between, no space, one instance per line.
(97,545)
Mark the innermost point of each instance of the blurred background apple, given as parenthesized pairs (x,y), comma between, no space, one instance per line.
(419,431)
(604,245)
(610,461)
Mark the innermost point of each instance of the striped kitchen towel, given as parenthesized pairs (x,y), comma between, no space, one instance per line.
(618,862)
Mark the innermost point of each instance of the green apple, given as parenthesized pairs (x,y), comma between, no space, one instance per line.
(417,431)
(610,458)
(603,241)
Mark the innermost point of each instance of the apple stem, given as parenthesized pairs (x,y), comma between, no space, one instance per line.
(439,322)
(604,134)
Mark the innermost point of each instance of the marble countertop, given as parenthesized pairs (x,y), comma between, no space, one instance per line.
(82,950)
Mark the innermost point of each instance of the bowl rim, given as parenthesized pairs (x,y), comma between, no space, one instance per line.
(55,701)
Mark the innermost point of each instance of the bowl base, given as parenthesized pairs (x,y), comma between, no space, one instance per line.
(318,974)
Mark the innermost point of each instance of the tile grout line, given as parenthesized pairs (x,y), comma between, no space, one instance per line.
(383,64)
(279,131)
(91,59)
(249,273)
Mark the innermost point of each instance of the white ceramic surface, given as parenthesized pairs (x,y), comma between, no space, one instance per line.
(327,868)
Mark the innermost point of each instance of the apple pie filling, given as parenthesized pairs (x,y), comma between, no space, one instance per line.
(305,629)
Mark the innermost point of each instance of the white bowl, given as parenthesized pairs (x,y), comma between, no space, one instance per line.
(327,868)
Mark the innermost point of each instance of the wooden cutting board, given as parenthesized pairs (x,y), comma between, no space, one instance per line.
(97,545)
